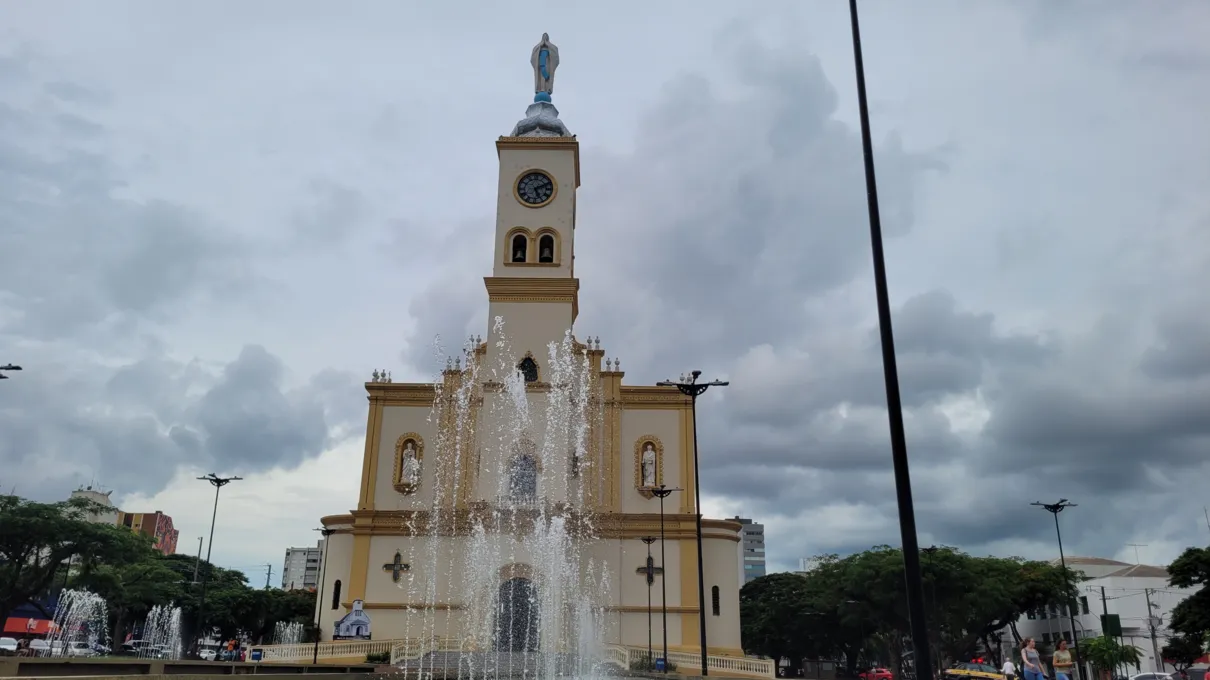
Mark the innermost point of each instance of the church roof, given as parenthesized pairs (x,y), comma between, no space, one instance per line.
(541,120)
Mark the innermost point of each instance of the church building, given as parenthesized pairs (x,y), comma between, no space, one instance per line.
(506,504)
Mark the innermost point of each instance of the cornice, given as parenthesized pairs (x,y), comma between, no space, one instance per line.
(543,143)
(534,289)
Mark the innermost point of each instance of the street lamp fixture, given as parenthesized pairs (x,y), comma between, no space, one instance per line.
(689,386)
(661,492)
(650,568)
(218,483)
(319,601)
(899,456)
(1055,509)
(8,367)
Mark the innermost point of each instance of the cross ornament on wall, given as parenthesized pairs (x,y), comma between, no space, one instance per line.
(397,567)
(649,570)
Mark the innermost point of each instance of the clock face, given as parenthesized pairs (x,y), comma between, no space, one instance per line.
(535,188)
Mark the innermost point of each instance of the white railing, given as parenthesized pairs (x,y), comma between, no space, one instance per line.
(689,662)
(337,649)
(414,648)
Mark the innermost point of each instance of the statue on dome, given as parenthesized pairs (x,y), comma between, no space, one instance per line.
(545,59)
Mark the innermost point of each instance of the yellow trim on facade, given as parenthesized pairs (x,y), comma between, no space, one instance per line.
(359,567)
(539,289)
(688,548)
(369,466)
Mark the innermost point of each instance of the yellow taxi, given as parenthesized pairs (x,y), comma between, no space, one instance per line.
(973,671)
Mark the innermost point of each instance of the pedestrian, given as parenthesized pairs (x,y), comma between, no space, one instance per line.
(1031,663)
(1009,670)
(1062,661)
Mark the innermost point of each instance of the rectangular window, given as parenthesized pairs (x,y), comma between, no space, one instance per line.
(1083,605)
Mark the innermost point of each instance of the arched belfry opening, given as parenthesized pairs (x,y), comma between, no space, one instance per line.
(546,248)
(529,369)
(517,616)
(520,248)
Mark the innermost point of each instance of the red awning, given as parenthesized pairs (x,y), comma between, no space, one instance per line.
(28,626)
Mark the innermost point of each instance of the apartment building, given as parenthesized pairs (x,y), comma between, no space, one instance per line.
(751,550)
(300,571)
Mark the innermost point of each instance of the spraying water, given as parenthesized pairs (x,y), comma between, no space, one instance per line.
(509,532)
(162,633)
(287,633)
(81,618)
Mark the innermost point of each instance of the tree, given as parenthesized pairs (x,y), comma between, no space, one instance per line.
(37,540)
(773,610)
(1106,654)
(132,589)
(1191,617)
(1183,651)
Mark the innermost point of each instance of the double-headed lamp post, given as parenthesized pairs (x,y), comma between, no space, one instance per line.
(661,492)
(650,578)
(690,387)
(319,601)
(1055,509)
(8,367)
(218,483)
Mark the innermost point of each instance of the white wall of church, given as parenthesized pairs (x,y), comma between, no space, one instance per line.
(336,563)
(721,570)
(396,421)
(528,327)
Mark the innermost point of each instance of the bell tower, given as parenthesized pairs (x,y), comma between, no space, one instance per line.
(533,285)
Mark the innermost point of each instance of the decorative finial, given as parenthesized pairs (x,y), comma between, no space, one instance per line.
(388,376)
(374,376)
(617,364)
(449,363)
(458,363)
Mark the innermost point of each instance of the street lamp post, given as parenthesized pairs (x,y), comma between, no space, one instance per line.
(661,492)
(218,483)
(319,601)
(8,367)
(899,457)
(1055,509)
(689,386)
(650,581)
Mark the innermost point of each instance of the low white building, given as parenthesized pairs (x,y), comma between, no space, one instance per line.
(1137,593)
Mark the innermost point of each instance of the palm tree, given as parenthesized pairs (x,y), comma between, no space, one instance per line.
(1106,654)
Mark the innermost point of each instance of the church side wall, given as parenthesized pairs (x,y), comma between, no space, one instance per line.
(722,631)
(339,549)
(664,426)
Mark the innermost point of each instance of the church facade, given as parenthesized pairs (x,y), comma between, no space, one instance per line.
(531,430)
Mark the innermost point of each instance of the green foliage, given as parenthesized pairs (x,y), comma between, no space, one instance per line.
(378,658)
(38,539)
(1183,651)
(1191,618)
(855,606)
(645,663)
(1106,653)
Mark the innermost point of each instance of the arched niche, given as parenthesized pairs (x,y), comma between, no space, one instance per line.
(409,462)
(517,246)
(548,246)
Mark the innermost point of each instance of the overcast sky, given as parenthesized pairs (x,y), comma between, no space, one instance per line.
(195,200)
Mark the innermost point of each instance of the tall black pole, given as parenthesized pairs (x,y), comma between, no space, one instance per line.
(1055,509)
(319,601)
(663,492)
(903,478)
(218,483)
(650,580)
(691,387)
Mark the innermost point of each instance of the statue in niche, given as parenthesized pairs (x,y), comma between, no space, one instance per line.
(649,465)
(409,468)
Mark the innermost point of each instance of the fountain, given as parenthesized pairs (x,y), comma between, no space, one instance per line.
(162,633)
(287,633)
(524,563)
(81,618)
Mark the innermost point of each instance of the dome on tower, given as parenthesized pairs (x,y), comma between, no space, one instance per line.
(541,120)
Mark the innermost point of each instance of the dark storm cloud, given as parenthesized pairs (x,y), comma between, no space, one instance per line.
(146,419)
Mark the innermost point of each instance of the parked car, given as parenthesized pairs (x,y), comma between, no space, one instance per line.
(875,674)
(208,653)
(75,649)
(39,647)
(8,646)
(972,671)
